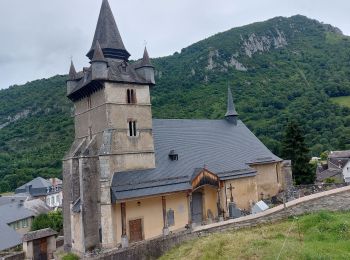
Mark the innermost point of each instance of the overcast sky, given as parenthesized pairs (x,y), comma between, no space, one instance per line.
(38,37)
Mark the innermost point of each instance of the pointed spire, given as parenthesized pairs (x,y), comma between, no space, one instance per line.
(98,53)
(72,72)
(231,113)
(108,35)
(146,62)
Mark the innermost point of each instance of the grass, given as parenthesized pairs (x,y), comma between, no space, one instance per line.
(323,235)
(342,101)
(70,256)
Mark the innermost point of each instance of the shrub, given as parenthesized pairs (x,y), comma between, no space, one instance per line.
(70,256)
(53,219)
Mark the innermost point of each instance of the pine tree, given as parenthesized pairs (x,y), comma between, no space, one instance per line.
(294,149)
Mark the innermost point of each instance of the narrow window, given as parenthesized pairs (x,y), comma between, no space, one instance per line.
(132,128)
(131,97)
(128,96)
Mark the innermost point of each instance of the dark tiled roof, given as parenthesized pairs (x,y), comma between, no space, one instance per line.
(98,54)
(14,211)
(231,110)
(38,187)
(118,71)
(72,72)
(329,173)
(341,154)
(46,232)
(221,147)
(9,237)
(12,199)
(145,62)
(108,35)
(337,162)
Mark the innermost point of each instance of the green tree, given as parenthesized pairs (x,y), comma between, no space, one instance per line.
(4,187)
(53,219)
(294,149)
(324,156)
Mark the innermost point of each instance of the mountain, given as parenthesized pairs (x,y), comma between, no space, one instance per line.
(279,70)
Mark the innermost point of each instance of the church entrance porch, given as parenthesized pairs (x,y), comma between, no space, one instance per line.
(205,205)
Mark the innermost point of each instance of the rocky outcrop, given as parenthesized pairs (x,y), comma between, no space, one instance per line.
(236,64)
(211,63)
(255,43)
(16,117)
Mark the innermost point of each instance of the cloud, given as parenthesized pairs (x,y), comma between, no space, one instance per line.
(39,36)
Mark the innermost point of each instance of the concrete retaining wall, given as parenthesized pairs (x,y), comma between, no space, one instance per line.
(333,200)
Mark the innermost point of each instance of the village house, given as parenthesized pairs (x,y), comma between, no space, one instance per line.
(337,168)
(50,191)
(16,216)
(129,177)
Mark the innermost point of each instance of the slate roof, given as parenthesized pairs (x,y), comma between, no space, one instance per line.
(231,110)
(98,53)
(116,73)
(12,212)
(329,173)
(11,199)
(340,154)
(107,34)
(9,237)
(108,46)
(72,72)
(337,162)
(217,145)
(38,187)
(145,62)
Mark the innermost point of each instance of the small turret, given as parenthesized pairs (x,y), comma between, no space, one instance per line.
(72,78)
(146,69)
(99,69)
(231,113)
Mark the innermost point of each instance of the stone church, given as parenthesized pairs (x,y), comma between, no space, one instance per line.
(128,177)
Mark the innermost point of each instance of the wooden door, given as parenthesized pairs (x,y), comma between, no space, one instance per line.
(40,249)
(135,230)
(197,207)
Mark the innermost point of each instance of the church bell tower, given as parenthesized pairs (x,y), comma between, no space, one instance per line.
(113,133)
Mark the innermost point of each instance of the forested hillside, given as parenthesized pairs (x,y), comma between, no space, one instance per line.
(279,70)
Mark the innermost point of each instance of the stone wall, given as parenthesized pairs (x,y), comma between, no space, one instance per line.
(333,200)
(13,256)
